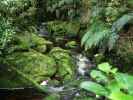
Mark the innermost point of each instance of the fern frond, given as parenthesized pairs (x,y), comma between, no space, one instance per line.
(119,24)
(97,33)
(101,35)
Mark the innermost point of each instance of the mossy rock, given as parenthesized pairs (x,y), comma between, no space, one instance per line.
(25,41)
(10,78)
(39,40)
(34,64)
(71,44)
(65,63)
(41,48)
(63,28)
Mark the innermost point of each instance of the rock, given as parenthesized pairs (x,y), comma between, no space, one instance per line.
(54,83)
(63,29)
(26,41)
(34,64)
(65,63)
(71,44)
(41,48)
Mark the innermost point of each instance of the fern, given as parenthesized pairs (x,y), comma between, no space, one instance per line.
(64,8)
(101,35)
(119,24)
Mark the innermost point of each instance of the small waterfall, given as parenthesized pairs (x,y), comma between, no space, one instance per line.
(83,64)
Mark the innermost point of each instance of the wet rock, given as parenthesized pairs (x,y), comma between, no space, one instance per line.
(65,63)
(34,64)
(63,30)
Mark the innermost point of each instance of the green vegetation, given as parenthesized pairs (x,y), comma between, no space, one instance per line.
(116,14)
(110,83)
(67,49)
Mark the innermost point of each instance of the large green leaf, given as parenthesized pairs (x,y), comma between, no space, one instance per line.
(94,87)
(105,67)
(125,81)
(120,96)
(98,76)
(113,86)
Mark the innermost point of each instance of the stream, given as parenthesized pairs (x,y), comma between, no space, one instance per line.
(67,91)
(71,89)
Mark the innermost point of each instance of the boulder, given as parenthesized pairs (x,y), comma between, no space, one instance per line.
(65,63)
(25,41)
(63,30)
(34,64)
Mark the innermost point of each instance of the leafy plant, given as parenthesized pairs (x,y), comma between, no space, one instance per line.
(20,12)
(105,35)
(64,8)
(110,83)
(6,32)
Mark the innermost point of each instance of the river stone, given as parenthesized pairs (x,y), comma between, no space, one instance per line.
(34,64)
(64,62)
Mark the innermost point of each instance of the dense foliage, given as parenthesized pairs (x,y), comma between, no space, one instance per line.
(110,17)
(6,32)
(64,9)
(59,46)
(110,83)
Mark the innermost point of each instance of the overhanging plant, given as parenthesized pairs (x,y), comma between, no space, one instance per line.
(110,83)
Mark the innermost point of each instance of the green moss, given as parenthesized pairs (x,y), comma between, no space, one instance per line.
(33,64)
(71,44)
(26,41)
(61,28)
(41,48)
(39,40)
(64,62)
(10,79)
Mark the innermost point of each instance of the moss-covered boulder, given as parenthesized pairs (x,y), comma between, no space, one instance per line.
(61,30)
(25,41)
(65,63)
(34,64)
